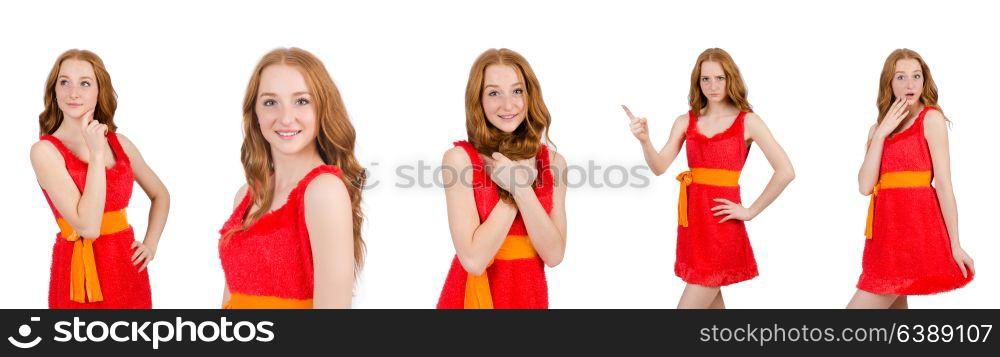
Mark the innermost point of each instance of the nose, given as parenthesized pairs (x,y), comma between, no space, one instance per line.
(74,92)
(286,117)
(508,103)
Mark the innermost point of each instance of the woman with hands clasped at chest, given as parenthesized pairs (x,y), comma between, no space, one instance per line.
(86,170)
(713,249)
(912,228)
(506,208)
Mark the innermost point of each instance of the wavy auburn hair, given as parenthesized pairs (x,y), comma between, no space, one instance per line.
(929,97)
(334,138)
(736,90)
(524,142)
(107,101)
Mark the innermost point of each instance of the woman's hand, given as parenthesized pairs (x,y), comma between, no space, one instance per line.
(732,210)
(639,126)
(964,261)
(511,175)
(895,115)
(142,254)
(93,135)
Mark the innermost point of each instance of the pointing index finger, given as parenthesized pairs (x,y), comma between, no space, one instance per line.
(628,112)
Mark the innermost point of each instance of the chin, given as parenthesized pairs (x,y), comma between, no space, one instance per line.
(287,147)
(507,127)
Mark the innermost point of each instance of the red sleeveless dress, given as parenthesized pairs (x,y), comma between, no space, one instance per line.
(122,284)
(909,252)
(270,264)
(710,253)
(513,284)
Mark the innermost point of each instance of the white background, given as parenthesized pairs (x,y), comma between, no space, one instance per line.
(181,68)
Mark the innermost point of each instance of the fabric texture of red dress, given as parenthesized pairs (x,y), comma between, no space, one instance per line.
(711,253)
(514,284)
(123,285)
(909,252)
(272,257)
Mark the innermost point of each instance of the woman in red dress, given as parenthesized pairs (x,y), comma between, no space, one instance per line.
(86,170)
(912,229)
(712,245)
(505,206)
(294,237)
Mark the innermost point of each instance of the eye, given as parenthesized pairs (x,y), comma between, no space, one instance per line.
(492,93)
(519,91)
(917,76)
(721,78)
(269,102)
(899,77)
(704,79)
(85,84)
(302,101)
(63,82)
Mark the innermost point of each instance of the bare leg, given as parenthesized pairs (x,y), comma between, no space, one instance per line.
(698,297)
(718,303)
(900,303)
(866,300)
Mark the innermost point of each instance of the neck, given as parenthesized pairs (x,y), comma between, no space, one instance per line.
(70,127)
(722,107)
(290,168)
(915,109)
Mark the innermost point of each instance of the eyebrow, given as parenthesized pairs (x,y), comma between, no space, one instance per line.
(494,85)
(915,71)
(67,77)
(269,94)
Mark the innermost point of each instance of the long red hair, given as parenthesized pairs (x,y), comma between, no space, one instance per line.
(736,90)
(334,139)
(107,100)
(524,142)
(929,97)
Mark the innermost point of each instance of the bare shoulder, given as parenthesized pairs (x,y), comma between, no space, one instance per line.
(126,143)
(44,152)
(556,159)
(327,190)
(456,157)
(934,120)
(682,120)
(240,194)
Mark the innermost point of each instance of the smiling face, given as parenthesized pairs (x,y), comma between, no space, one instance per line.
(285,110)
(503,97)
(908,80)
(713,81)
(76,88)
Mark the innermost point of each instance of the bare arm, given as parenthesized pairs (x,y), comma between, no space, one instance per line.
(475,244)
(547,231)
(869,173)
(658,161)
(776,156)
(85,211)
(159,201)
(329,219)
(236,202)
(936,132)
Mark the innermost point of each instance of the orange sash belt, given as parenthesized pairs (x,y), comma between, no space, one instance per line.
(84,285)
(477,287)
(704,176)
(245,301)
(895,179)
